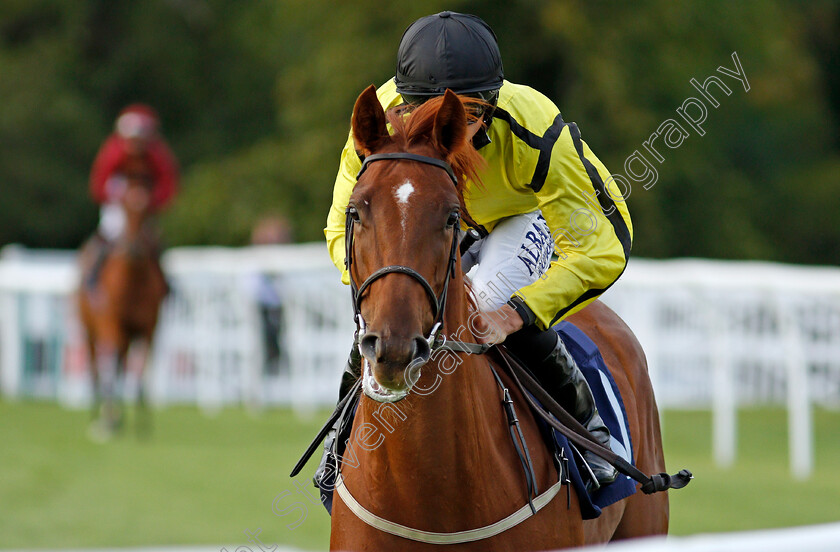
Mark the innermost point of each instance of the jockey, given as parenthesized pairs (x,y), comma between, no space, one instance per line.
(542,197)
(136,134)
(135,138)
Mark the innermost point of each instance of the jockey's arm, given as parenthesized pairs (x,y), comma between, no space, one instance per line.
(349,167)
(336,219)
(591,229)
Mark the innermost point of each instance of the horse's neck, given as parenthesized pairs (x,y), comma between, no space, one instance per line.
(449,428)
(131,244)
(134,222)
(132,256)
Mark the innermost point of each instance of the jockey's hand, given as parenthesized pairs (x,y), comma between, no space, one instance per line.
(494,326)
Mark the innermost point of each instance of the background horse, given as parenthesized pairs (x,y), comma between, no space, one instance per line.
(122,306)
(441,459)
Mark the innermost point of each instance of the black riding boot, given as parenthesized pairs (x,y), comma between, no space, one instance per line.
(560,375)
(352,372)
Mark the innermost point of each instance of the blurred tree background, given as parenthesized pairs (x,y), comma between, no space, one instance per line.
(255,98)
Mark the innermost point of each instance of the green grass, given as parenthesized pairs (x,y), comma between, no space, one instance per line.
(206,480)
(758,492)
(198,480)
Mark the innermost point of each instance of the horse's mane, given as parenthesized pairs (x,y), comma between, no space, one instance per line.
(417,128)
(412,125)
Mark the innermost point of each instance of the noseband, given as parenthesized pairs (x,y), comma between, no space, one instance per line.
(438,301)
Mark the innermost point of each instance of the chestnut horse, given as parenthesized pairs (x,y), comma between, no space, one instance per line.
(122,308)
(446,463)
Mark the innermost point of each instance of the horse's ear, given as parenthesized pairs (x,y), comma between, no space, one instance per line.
(368,122)
(450,130)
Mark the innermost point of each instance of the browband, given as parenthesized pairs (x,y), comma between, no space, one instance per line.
(411,157)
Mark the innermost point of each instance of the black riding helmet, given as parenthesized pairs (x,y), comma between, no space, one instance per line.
(449,50)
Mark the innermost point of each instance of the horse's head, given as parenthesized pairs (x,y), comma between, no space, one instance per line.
(402,232)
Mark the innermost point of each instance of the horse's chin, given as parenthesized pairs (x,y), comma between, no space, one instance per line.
(382,393)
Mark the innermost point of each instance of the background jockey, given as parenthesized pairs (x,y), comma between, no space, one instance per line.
(136,133)
(542,194)
(136,140)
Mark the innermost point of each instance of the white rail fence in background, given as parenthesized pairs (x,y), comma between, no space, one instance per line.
(811,538)
(717,334)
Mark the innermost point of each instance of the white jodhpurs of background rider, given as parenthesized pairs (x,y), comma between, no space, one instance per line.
(112,220)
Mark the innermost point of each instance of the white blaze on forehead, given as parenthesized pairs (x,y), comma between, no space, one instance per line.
(403,192)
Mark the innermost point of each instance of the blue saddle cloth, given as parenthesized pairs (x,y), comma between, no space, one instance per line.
(611,407)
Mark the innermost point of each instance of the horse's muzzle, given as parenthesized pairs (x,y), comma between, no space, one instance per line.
(394,365)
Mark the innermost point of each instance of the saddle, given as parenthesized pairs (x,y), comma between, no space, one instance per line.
(611,408)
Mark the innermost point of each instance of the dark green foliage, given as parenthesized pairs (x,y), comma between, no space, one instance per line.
(256,97)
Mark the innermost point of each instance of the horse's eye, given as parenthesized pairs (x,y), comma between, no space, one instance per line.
(354,214)
(453,219)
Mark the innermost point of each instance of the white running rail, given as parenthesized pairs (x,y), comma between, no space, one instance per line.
(812,538)
(717,334)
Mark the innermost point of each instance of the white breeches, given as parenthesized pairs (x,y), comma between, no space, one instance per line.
(512,256)
(111,215)
(111,221)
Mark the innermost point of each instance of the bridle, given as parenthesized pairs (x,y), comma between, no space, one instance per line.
(438,301)
(436,342)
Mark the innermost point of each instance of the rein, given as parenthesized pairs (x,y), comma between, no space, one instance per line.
(566,424)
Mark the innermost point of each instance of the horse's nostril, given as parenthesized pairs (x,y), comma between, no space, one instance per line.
(422,351)
(370,346)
